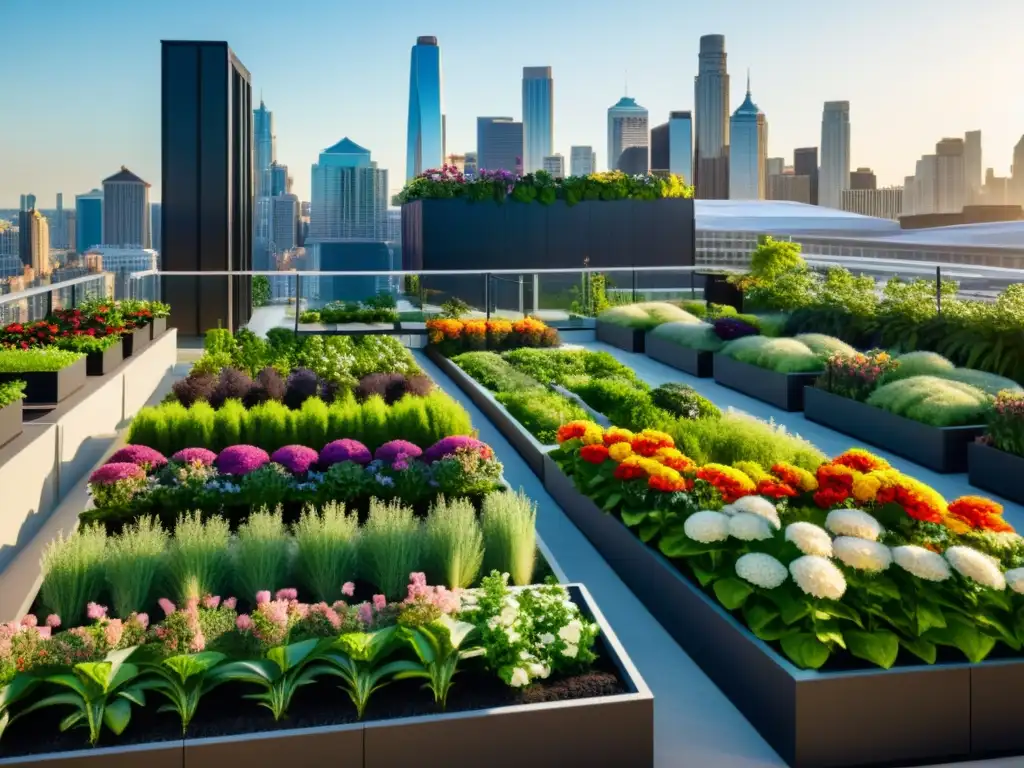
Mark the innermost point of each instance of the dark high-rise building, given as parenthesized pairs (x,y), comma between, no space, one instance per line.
(805,163)
(499,144)
(660,153)
(711,99)
(863,178)
(207,193)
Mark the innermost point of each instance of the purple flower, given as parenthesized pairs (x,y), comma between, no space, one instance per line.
(391,451)
(447,446)
(244,622)
(365,613)
(348,589)
(230,603)
(142,455)
(263,596)
(297,459)
(95,612)
(203,456)
(344,450)
(241,459)
(401,463)
(166,606)
(287,594)
(380,602)
(115,472)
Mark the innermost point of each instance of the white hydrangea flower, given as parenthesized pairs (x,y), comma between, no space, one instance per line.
(761,570)
(760,506)
(746,526)
(512,635)
(976,566)
(570,651)
(519,678)
(853,522)
(921,562)
(707,527)
(809,538)
(508,616)
(728,509)
(540,670)
(862,554)
(547,638)
(571,631)
(818,577)
(1015,579)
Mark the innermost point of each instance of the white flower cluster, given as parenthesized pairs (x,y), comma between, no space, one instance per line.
(1015,579)
(755,505)
(746,526)
(809,539)
(862,554)
(707,527)
(818,577)
(976,566)
(921,562)
(853,522)
(761,570)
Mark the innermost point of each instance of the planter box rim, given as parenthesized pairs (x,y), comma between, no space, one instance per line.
(957,428)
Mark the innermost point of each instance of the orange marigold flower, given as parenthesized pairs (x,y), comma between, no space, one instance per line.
(595,454)
(979,513)
(865,488)
(629,470)
(918,500)
(675,459)
(649,441)
(617,435)
(795,476)
(775,490)
(836,477)
(860,460)
(826,498)
(669,484)
(729,482)
(574,430)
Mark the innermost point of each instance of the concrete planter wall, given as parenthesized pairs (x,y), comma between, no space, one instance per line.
(996,471)
(943,449)
(783,390)
(50,387)
(102,363)
(695,362)
(10,422)
(629,339)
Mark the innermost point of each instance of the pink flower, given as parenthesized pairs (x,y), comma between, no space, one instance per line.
(113,631)
(287,594)
(380,602)
(276,611)
(192,605)
(244,622)
(418,578)
(323,609)
(198,642)
(211,601)
(44,632)
(365,613)
(29,620)
(53,621)
(263,596)
(348,589)
(95,612)
(230,603)
(166,606)
(143,620)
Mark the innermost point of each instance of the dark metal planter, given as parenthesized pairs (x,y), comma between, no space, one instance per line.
(812,719)
(527,447)
(783,390)
(157,328)
(695,362)
(629,339)
(943,449)
(168,754)
(10,421)
(102,363)
(49,387)
(136,340)
(996,471)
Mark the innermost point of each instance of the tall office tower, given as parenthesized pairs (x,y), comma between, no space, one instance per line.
(835,153)
(863,178)
(1017,174)
(925,194)
(126,210)
(629,138)
(155,223)
(284,232)
(805,163)
(23,205)
(470,165)
(789,186)
(774,166)
(680,145)
(70,219)
(538,117)
(58,227)
(89,220)
(748,151)
(499,144)
(350,195)
(582,161)
(34,241)
(972,167)
(207,187)
(265,143)
(881,203)
(711,99)
(9,245)
(555,165)
(28,202)
(660,149)
(949,192)
(426,141)
(280,181)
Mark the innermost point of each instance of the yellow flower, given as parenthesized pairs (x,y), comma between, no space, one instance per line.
(593,435)
(753,470)
(955,524)
(865,487)
(620,451)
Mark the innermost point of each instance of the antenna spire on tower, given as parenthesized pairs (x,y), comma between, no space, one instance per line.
(748,81)
(627,82)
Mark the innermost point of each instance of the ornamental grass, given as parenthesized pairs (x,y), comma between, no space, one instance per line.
(73,572)
(262,553)
(327,546)
(646,315)
(933,401)
(699,336)
(510,535)
(390,544)
(198,560)
(134,565)
(453,543)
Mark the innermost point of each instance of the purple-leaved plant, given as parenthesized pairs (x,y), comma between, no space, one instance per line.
(297,459)
(729,328)
(203,456)
(241,459)
(447,446)
(115,472)
(345,450)
(394,449)
(141,455)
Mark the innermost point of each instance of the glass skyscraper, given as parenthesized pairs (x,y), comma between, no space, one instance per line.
(266,154)
(835,153)
(88,220)
(711,99)
(629,137)
(499,144)
(425,148)
(748,152)
(538,117)
(680,145)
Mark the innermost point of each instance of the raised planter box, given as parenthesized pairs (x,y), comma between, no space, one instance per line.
(136,340)
(629,339)
(943,449)
(50,387)
(783,390)
(157,328)
(10,422)
(812,719)
(525,444)
(102,363)
(696,362)
(996,471)
(600,731)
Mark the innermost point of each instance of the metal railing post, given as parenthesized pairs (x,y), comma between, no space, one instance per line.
(49,302)
(634,286)
(74,300)
(938,290)
(522,298)
(298,292)
(487,294)
(536,293)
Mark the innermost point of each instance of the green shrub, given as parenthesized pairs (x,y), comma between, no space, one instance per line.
(389,547)
(454,543)
(149,427)
(920,364)
(133,564)
(646,315)
(541,412)
(825,346)
(199,429)
(740,437)
(229,426)
(313,423)
(1006,423)
(326,550)
(73,572)
(986,382)
(261,554)
(699,336)
(509,522)
(493,372)
(446,417)
(40,359)
(783,355)
(11,392)
(934,401)
(269,425)
(198,559)
(345,419)
(557,365)
(375,420)
(696,307)
(684,402)
(773,324)
(621,401)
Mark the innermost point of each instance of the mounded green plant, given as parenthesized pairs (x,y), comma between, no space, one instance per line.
(782,355)
(454,543)
(983,380)
(684,401)
(183,680)
(327,542)
(37,360)
(360,663)
(541,412)
(389,546)
(557,365)
(509,522)
(919,364)
(198,559)
(699,336)
(621,401)
(313,423)
(134,564)
(825,346)
(740,437)
(73,572)
(149,427)
(934,401)
(646,315)
(493,372)
(261,553)
(11,392)
(200,428)
(270,425)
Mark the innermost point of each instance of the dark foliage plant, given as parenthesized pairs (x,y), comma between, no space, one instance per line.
(194,387)
(232,384)
(268,385)
(683,401)
(392,386)
(302,384)
(729,328)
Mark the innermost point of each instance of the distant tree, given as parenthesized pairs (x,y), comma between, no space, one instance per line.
(260,291)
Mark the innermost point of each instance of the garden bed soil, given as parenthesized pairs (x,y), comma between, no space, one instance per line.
(10,421)
(696,362)
(629,339)
(783,390)
(996,471)
(604,717)
(136,340)
(847,717)
(942,449)
(50,387)
(102,363)
(157,328)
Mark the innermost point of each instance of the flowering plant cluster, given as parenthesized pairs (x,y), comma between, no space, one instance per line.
(855,557)
(85,328)
(729,328)
(451,336)
(1006,423)
(856,376)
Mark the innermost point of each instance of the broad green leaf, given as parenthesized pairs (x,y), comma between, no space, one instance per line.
(633,518)
(677,544)
(458,631)
(805,650)
(611,501)
(96,672)
(929,616)
(920,647)
(69,681)
(136,694)
(122,674)
(648,530)
(186,665)
(256,671)
(20,685)
(757,614)
(961,634)
(732,592)
(117,658)
(838,610)
(703,575)
(829,632)
(58,699)
(791,609)
(117,715)
(288,657)
(879,647)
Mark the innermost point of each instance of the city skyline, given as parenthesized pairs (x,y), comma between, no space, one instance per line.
(917,39)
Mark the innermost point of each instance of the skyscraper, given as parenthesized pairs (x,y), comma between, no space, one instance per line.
(207,183)
(555,165)
(155,224)
(629,137)
(280,183)
(538,117)
(582,161)
(711,99)
(284,223)
(34,241)
(265,143)
(950,187)
(126,210)
(835,153)
(425,148)
(972,166)
(680,145)
(470,165)
(774,166)
(659,149)
(863,178)
(58,228)
(499,144)
(350,195)
(748,151)
(805,163)
(89,220)
(1017,174)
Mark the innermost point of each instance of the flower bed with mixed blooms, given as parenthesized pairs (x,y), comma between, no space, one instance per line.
(450,336)
(93,326)
(854,558)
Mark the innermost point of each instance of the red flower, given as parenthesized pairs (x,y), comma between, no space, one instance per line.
(826,498)
(628,472)
(774,489)
(594,454)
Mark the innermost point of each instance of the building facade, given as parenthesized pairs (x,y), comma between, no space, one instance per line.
(835,153)
(884,203)
(711,102)
(499,144)
(555,165)
(805,163)
(748,152)
(972,167)
(538,117)
(34,241)
(660,149)
(470,165)
(284,229)
(425,147)
(155,223)
(680,144)
(89,219)
(126,210)
(582,160)
(628,137)
(774,166)
(280,181)
(863,178)
(350,195)
(950,183)
(122,262)
(789,186)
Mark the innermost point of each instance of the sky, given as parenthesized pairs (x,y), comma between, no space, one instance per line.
(81,80)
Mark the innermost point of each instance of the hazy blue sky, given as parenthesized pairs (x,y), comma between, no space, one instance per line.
(81,78)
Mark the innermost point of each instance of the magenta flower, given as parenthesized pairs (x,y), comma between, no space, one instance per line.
(241,459)
(348,589)
(230,603)
(263,596)
(203,456)
(166,606)
(380,602)
(391,451)
(345,450)
(447,446)
(29,620)
(365,613)
(297,459)
(143,620)
(244,622)
(287,593)
(53,621)
(142,455)
(95,611)
(115,472)
(211,601)
(323,609)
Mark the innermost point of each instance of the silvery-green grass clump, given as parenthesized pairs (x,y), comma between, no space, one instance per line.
(509,522)
(261,553)
(389,546)
(700,336)
(932,400)
(134,562)
(326,550)
(198,559)
(73,572)
(454,543)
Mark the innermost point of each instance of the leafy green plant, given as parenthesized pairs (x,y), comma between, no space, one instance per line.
(18,689)
(621,401)
(133,565)
(40,359)
(740,437)
(10,392)
(197,561)
(495,373)
(919,364)
(73,571)
(557,365)
(327,546)
(1006,423)
(183,680)
(438,646)
(541,412)
(684,401)
(699,336)
(983,380)
(784,355)
(389,546)
(646,315)
(260,291)
(509,522)
(261,553)
(454,543)
(455,308)
(934,401)
(359,663)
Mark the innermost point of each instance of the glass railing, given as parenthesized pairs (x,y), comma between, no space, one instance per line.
(37,302)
